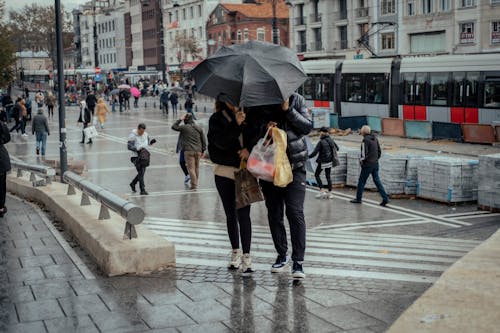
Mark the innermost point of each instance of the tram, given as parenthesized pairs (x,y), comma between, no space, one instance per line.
(448,88)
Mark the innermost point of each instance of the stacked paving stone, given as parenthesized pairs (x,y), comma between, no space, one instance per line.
(489,181)
(353,170)
(412,174)
(447,179)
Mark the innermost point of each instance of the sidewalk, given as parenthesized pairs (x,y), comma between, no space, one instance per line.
(46,288)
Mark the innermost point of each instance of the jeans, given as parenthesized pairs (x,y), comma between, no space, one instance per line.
(113,106)
(238,221)
(141,171)
(164,107)
(17,126)
(363,177)
(41,141)
(174,108)
(190,110)
(23,125)
(327,174)
(3,189)
(289,200)
(193,165)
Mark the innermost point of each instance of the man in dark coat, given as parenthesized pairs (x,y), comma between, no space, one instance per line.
(164,101)
(370,154)
(4,166)
(292,117)
(91,101)
(85,118)
(174,99)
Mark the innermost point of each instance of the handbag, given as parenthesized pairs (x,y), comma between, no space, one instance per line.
(335,156)
(246,186)
(90,132)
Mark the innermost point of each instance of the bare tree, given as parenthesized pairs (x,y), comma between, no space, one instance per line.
(187,45)
(7,58)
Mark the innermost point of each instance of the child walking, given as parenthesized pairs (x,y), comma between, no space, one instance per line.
(326,149)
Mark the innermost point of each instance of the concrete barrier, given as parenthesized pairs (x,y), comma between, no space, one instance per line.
(353,122)
(418,129)
(393,127)
(375,123)
(442,130)
(478,133)
(102,240)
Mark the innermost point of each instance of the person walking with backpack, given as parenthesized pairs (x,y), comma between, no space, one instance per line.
(193,142)
(40,128)
(4,166)
(174,100)
(50,101)
(138,142)
(370,154)
(189,106)
(326,149)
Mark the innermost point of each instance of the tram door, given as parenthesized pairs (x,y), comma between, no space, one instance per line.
(414,92)
(464,107)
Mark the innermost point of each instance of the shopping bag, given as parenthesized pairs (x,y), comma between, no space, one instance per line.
(94,121)
(282,168)
(90,132)
(261,160)
(247,188)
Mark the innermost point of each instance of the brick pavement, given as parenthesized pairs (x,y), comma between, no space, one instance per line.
(43,290)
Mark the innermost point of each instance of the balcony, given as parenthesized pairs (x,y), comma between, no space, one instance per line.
(314,18)
(316,46)
(301,48)
(342,15)
(361,12)
(339,45)
(301,20)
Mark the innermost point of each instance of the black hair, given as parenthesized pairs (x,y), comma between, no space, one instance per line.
(141,126)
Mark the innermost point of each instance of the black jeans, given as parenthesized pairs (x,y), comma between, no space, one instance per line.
(141,171)
(3,189)
(328,172)
(17,126)
(238,220)
(50,109)
(289,200)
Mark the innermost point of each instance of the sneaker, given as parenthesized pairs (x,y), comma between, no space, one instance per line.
(187,179)
(320,195)
(297,271)
(24,135)
(235,261)
(143,192)
(281,263)
(132,187)
(355,201)
(246,265)
(330,195)
(384,203)
(38,151)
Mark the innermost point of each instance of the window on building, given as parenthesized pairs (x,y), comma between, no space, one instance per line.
(388,6)
(200,33)
(113,25)
(492,91)
(427,6)
(317,45)
(428,42)
(495,32)
(467,3)
(199,11)
(177,15)
(261,34)
(343,37)
(495,2)
(246,35)
(183,13)
(342,9)
(388,41)
(445,5)
(191,12)
(439,88)
(410,7)
(238,34)
(467,33)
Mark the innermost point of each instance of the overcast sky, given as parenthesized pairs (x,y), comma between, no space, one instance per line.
(68,4)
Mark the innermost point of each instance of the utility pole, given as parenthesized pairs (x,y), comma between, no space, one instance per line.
(96,52)
(275,24)
(162,46)
(63,158)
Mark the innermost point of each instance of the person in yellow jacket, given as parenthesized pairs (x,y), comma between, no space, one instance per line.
(102,111)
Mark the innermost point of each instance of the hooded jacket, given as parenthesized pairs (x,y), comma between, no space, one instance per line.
(370,151)
(325,150)
(40,123)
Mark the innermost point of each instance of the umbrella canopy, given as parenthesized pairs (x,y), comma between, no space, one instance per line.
(251,74)
(115,91)
(123,86)
(135,92)
(177,90)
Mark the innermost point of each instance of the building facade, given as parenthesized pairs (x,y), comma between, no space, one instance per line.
(239,23)
(334,29)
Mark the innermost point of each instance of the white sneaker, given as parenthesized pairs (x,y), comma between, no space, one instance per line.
(246,267)
(320,195)
(25,135)
(235,261)
(330,195)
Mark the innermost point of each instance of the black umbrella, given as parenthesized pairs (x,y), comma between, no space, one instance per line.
(251,74)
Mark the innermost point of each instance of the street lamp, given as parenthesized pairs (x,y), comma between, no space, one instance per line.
(145,3)
(275,24)
(96,52)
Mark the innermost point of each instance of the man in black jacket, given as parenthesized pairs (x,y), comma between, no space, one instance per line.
(292,117)
(4,166)
(370,154)
(91,101)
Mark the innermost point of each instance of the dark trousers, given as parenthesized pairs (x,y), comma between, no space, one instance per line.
(164,107)
(289,200)
(238,221)
(3,189)
(17,126)
(190,110)
(363,177)
(92,109)
(50,109)
(141,171)
(328,172)
(182,163)
(174,108)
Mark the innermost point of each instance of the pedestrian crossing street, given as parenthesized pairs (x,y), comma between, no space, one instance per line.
(330,252)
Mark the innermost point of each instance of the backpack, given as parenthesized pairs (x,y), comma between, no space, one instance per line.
(143,158)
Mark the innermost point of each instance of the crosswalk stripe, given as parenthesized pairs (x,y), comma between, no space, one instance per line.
(342,225)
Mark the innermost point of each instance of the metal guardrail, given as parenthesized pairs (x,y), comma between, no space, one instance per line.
(132,213)
(47,173)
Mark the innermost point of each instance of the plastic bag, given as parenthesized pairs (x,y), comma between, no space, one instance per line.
(90,132)
(261,160)
(282,168)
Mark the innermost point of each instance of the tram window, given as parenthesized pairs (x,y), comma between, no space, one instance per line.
(458,88)
(471,88)
(375,88)
(492,92)
(308,88)
(407,80)
(322,90)
(420,79)
(353,91)
(439,91)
